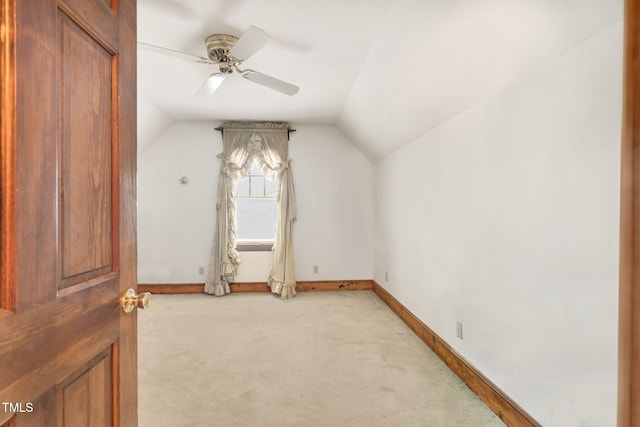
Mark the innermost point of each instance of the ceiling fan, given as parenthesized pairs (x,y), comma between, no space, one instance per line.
(228,52)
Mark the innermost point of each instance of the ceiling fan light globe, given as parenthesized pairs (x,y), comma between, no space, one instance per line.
(211,84)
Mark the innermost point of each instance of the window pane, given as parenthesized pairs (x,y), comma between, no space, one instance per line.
(270,187)
(257,185)
(256,219)
(243,187)
(255,169)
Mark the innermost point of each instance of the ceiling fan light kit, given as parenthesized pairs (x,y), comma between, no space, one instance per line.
(227,52)
(211,84)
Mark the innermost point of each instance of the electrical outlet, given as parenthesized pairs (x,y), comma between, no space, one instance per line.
(315,269)
(459,330)
(201,271)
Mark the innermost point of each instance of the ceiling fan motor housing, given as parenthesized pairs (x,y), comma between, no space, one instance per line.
(218,46)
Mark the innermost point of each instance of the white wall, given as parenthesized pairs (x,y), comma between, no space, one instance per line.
(333,182)
(175,224)
(505,218)
(152,121)
(334,189)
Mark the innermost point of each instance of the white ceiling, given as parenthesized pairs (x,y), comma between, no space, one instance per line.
(384,71)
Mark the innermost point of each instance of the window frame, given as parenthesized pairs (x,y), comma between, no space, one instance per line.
(255,245)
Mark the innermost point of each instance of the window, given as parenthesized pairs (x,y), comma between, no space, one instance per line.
(256,211)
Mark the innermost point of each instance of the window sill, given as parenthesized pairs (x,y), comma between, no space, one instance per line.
(254,246)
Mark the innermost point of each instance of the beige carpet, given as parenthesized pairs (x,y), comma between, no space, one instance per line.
(320,359)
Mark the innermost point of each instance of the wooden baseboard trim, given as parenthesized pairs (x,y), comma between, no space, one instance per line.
(241,287)
(505,408)
(335,285)
(238,287)
(172,288)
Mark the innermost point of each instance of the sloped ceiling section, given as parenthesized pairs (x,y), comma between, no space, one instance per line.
(319,46)
(151,122)
(384,71)
(431,60)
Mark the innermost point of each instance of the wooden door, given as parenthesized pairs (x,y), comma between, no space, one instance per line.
(68,353)
(629,295)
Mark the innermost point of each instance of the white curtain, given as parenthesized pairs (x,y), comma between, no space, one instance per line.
(267,144)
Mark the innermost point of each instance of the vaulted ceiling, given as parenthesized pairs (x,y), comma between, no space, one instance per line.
(383,71)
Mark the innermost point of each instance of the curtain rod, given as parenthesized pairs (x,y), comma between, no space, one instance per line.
(289,130)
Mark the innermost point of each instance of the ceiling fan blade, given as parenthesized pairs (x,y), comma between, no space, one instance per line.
(211,84)
(270,82)
(249,43)
(175,53)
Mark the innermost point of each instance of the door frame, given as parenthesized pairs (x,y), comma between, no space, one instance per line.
(127,348)
(629,286)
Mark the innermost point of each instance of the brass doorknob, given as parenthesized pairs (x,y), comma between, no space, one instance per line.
(130,300)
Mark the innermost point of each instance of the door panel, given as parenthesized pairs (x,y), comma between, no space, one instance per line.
(83,402)
(68,353)
(86,141)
